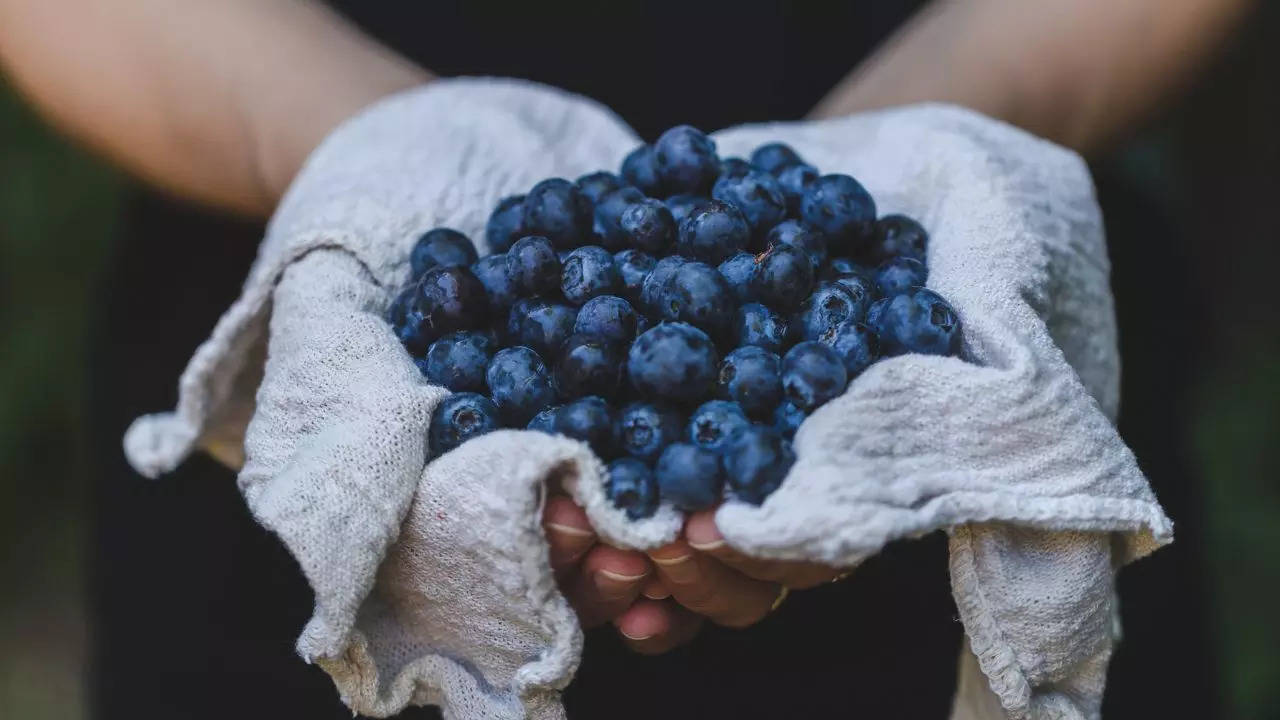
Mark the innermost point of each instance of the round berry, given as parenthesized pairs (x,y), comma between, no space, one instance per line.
(519,384)
(458,361)
(632,488)
(734,167)
(861,288)
(787,419)
(545,420)
(874,313)
(897,236)
(757,325)
(752,377)
(543,326)
(855,343)
(407,322)
(451,298)
(686,160)
(801,236)
(812,374)
(607,218)
(699,295)
(441,247)
(555,209)
(649,226)
(713,232)
(534,266)
(737,272)
(598,184)
(644,429)
(588,365)
(899,275)
(756,461)
(711,425)
(673,361)
(794,180)
(633,266)
(682,206)
(840,266)
(783,277)
(828,306)
(841,208)
(689,477)
(589,419)
(608,316)
(589,272)
(506,224)
(773,157)
(458,418)
(919,321)
(655,283)
(757,195)
(491,271)
(638,169)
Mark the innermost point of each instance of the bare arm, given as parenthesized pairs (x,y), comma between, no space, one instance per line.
(217,101)
(1077,72)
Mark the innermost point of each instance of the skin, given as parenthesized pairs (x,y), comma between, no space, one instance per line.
(221,102)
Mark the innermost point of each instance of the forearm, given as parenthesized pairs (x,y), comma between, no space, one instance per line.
(217,101)
(1077,72)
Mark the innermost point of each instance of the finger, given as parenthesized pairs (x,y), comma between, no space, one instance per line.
(702,584)
(652,627)
(569,533)
(655,589)
(701,534)
(608,582)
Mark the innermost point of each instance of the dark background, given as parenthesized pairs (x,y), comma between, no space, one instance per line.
(113,585)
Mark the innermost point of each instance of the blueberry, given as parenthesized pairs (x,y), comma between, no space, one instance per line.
(699,295)
(757,325)
(897,236)
(841,208)
(734,167)
(787,419)
(828,306)
(406,320)
(773,157)
(458,361)
(861,287)
(737,272)
(451,298)
(638,168)
(598,184)
(898,275)
(589,272)
(632,488)
(685,159)
(520,309)
(589,365)
(644,429)
(838,266)
(711,425)
(533,266)
(506,224)
(798,235)
(689,477)
(519,384)
(759,197)
(655,283)
(752,377)
(794,180)
(608,316)
(544,326)
(855,343)
(812,374)
(919,321)
(554,208)
(874,312)
(649,226)
(682,206)
(491,271)
(633,266)
(783,277)
(713,232)
(756,461)
(589,419)
(673,361)
(608,215)
(458,418)
(545,420)
(441,247)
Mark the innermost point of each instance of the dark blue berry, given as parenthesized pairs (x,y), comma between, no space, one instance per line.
(458,418)
(711,425)
(855,343)
(644,429)
(699,295)
(773,157)
(756,461)
(897,236)
(794,180)
(491,271)
(752,377)
(757,194)
(689,477)
(598,184)
(713,232)
(673,361)
(544,326)
(734,167)
(686,160)
(545,420)
(898,275)
(506,224)
(458,361)
(861,287)
(450,299)
(682,206)
(828,306)
(633,266)
(783,277)
(757,325)
(632,488)
(919,321)
(441,247)
(608,216)
(787,419)
(801,236)
(608,316)
(812,374)
(519,384)
(874,312)
(406,320)
(589,419)
(589,365)
(555,209)
(841,208)
(649,226)
(589,272)
(838,266)
(655,283)
(737,272)
(638,169)
(534,266)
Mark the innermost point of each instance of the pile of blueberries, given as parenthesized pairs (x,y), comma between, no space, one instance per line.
(682,317)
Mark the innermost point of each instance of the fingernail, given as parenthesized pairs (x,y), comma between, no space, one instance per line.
(657,593)
(668,562)
(680,570)
(569,530)
(634,637)
(612,585)
(706,546)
